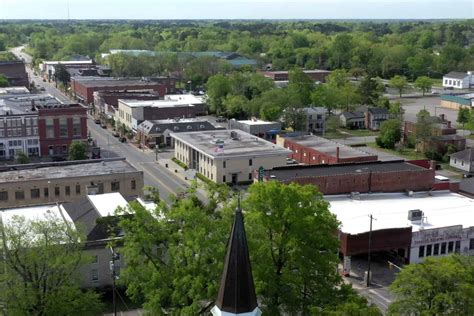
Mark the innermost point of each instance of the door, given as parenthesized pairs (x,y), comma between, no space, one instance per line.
(234,178)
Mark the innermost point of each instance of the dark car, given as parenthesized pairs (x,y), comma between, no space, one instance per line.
(123,139)
(115,134)
(103,126)
(97,121)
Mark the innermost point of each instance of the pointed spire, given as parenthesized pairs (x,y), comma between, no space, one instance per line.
(237,291)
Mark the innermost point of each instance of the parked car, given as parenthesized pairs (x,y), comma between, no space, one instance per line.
(116,134)
(103,126)
(97,121)
(42,89)
(123,139)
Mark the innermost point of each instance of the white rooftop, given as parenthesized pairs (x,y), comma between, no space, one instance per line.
(256,122)
(34,213)
(14,90)
(391,211)
(68,62)
(170,100)
(106,204)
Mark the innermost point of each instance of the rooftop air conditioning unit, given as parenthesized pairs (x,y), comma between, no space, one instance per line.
(415,215)
(234,135)
(355,195)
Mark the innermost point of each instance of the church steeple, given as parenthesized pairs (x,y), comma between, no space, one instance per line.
(237,292)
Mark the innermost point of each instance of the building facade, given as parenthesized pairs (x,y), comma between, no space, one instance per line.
(458,80)
(227,156)
(59,126)
(15,72)
(45,183)
(259,128)
(374,117)
(463,160)
(352,120)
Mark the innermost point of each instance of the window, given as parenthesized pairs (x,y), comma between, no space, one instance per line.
(49,128)
(68,190)
(4,196)
(428,250)
(450,246)
(250,176)
(223,164)
(95,259)
(95,275)
(250,162)
(78,189)
(457,248)
(35,193)
(443,248)
(63,127)
(19,195)
(471,244)
(57,191)
(115,186)
(133,184)
(436,250)
(46,192)
(421,251)
(76,126)
(223,179)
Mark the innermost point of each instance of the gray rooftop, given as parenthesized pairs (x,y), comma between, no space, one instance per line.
(220,144)
(466,154)
(45,171)
(175,125)
(112,82)
(295,172)
(14,104)
(327,146)
(456,75)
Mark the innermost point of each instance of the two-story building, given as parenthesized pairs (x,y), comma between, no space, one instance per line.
(227,156)
(374,117)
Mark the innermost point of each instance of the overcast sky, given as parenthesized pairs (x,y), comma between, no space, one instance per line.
(237,9)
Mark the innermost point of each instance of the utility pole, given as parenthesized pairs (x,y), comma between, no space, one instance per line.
(370,249)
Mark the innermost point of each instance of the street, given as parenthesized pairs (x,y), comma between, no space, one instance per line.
(155,175)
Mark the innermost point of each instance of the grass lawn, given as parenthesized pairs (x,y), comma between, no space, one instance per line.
(407,153)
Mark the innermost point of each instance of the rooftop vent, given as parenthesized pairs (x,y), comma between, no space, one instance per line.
(234,135)
(355,195)
(415,215)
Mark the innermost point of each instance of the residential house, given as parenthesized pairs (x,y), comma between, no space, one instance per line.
(374,117)
(315,120)
(463,160)
(352,120)
(458,80)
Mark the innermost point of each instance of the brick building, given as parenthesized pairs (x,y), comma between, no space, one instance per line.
(84,87)
(106,101)
(15,72)
(392,176)
(283,75)
(314,150)
(59,125)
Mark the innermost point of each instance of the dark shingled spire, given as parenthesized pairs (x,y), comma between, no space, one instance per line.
(237,292)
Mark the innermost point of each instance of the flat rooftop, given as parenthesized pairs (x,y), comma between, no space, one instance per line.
(68,62)
(112,82)
(106,204)
(441,209)
(328,147)
(173,100)
(14,104)
(256,122)
(294,172)
(46,171)
(35,213)
(14,90)
(220,144)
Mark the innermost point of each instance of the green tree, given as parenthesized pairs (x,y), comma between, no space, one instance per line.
(175,254)
(300,87)
(423,127)
(77,151)
(400,83)
(370,90)
(62,75)
(463,116)
(424,84)
(270,104)
(236,106)
(218,87)
(390,133)
(326,96)
(22,158)
(291,273)
(441,286)
(3,81)
(40,262)
(396,111)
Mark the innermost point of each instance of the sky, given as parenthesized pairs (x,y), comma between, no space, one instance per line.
(237,9)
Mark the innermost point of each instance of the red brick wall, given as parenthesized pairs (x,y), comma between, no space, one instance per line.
(56,113)
(399,181)
(311,156)
(382,240)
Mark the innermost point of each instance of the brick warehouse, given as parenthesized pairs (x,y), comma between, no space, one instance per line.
(314,150)
(84,88)
(15,72)
(392,176)
(59,125)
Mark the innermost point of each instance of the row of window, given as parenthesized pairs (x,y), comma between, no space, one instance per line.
(63,127)
(439,249)
(452,82)
(35,193)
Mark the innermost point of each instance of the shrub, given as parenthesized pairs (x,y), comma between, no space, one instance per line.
(180,163)
(203,178)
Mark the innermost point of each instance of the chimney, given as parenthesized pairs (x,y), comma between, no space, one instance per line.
(433,164)
(441,116)
(449,124)
(337,154)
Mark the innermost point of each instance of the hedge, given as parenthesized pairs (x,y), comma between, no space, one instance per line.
(180,163)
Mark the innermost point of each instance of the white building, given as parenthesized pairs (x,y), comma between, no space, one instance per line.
(458,80)
(263,129)
(133,112)
(463,160)
(227,156)
(441,222)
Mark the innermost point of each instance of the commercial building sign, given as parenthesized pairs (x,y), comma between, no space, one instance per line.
(430,236)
